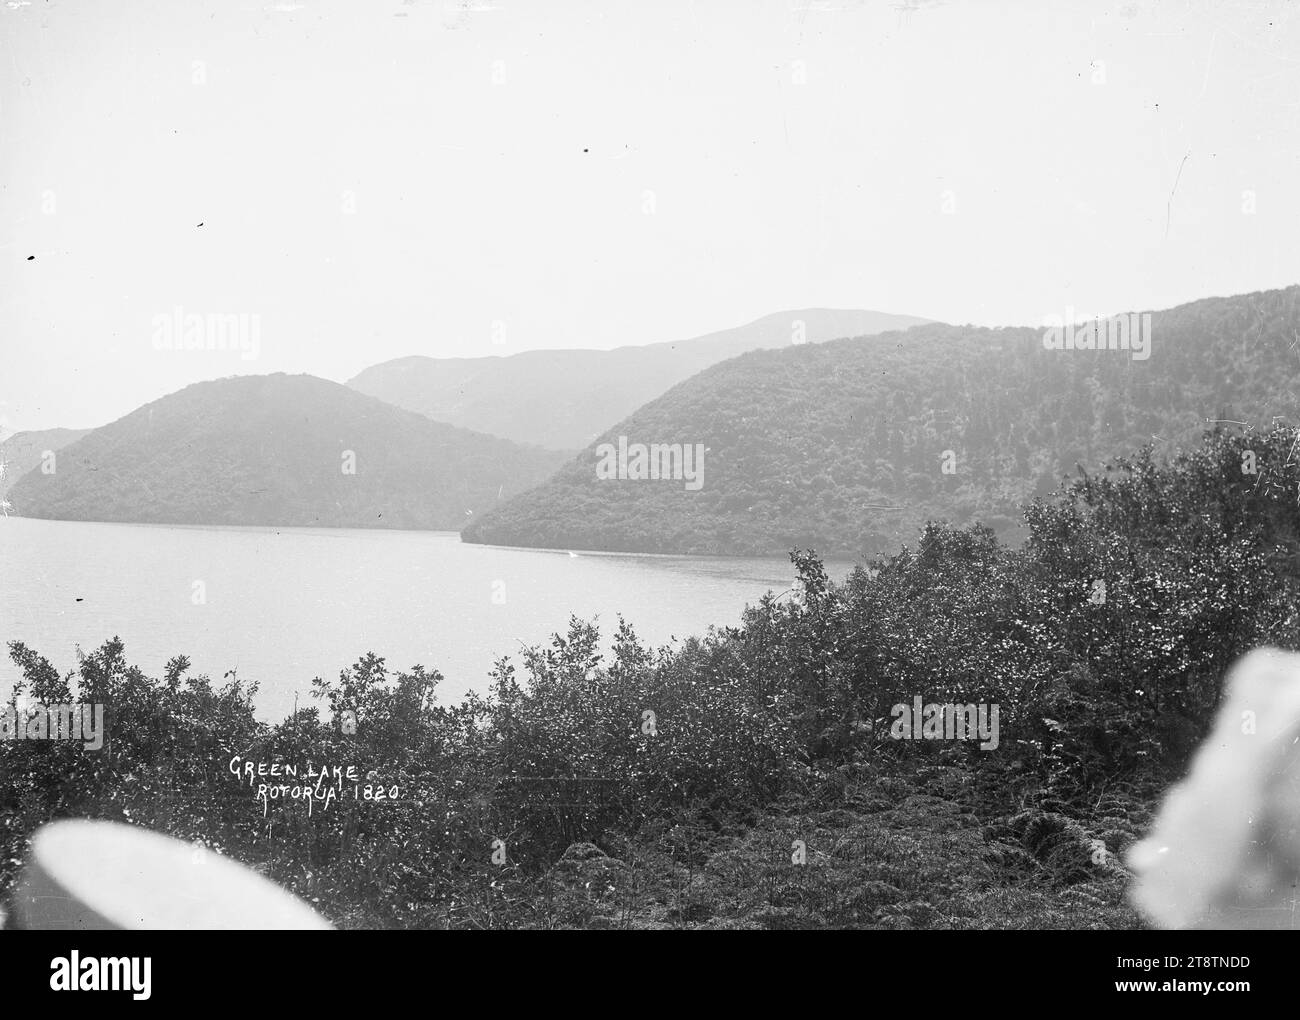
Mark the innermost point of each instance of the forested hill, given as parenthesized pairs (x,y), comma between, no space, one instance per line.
(843,446)
(279,450)
(563,399)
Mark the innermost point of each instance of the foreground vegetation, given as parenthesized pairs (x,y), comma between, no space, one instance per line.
(747,778)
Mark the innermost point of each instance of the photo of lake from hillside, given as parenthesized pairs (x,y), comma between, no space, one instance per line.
(701,465)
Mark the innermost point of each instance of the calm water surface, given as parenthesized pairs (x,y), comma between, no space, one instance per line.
(281,606)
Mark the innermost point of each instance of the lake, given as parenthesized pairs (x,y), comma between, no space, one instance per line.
(282,605)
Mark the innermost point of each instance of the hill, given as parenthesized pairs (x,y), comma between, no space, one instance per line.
(275,450)
(23,451)
(850,446)
(563,399)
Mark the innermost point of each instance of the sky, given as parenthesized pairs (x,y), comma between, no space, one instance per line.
(366,181)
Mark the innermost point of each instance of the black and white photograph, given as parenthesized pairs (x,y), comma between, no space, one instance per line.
(690,465)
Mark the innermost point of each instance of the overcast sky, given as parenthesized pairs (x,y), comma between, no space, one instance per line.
(388,178)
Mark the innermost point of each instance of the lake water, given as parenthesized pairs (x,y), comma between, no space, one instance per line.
(282,605)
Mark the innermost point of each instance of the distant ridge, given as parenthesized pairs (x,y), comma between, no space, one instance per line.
(23,451)
(563,399)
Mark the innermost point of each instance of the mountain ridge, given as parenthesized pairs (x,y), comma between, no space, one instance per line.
(562,398)
(23,451)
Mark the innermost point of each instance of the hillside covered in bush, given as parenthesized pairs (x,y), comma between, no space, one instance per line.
(748,778)
(279,450)
(851,446)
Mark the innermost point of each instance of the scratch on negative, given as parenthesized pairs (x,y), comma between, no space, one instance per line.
(1170,203)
